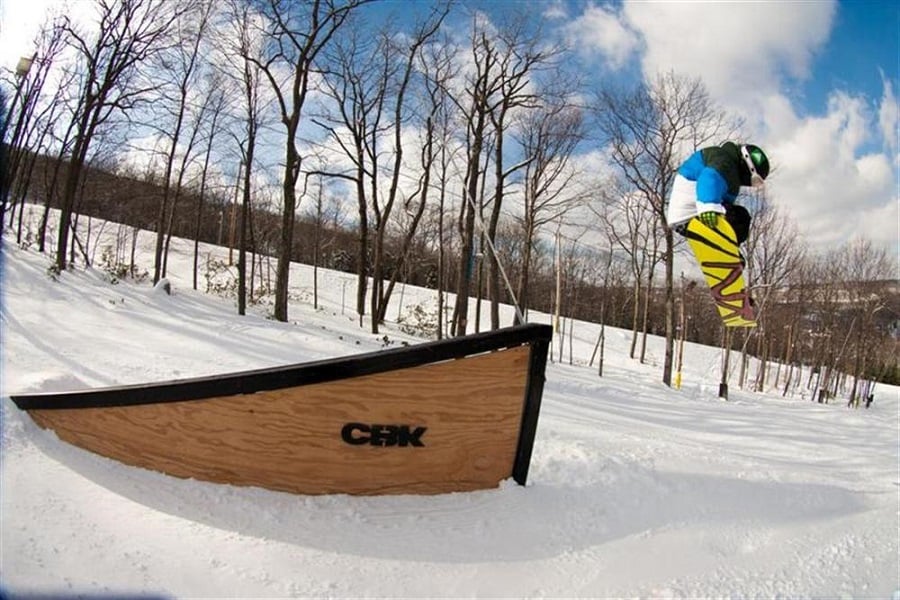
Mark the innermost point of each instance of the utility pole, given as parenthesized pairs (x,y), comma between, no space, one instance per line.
(23,67)
(726,358)
(556,327)
(233,223)
(681,335)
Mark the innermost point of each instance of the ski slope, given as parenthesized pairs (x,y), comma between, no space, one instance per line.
(635,489)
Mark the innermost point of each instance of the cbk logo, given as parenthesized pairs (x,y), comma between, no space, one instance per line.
(358,434)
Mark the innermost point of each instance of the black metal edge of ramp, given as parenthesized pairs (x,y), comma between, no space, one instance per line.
(250,382)
(534,391)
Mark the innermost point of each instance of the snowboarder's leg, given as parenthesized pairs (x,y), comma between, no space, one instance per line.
(739,219)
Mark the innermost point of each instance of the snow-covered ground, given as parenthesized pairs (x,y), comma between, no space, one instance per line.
(635,489)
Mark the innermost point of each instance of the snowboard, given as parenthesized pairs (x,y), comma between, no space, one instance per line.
(716,250)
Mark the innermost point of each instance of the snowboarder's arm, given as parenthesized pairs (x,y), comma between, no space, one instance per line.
(712,189)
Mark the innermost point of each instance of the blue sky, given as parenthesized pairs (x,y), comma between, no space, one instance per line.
(865,38)
(816,82)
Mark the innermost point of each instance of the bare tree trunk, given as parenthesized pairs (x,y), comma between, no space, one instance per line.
(467,234)
(218,106)
(300,33)
(645,318)
(646,129)
(635,313)
(131,31)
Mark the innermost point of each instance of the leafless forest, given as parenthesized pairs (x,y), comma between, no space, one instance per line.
(432,147)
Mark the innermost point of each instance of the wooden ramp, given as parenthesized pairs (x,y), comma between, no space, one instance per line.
(452,415)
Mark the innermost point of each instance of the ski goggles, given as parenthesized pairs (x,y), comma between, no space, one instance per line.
(756,180)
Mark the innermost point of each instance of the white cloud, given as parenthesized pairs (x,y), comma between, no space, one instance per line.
(888,117)
(740,50)
(835,173)
(556,10)
(599,30)
(825,179)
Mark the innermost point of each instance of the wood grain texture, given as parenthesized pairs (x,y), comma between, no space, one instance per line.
(290,439)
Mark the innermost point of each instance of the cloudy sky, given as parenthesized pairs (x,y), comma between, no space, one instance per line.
(815,81)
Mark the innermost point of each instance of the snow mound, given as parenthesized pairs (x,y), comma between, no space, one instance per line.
(49,382)
(162,287)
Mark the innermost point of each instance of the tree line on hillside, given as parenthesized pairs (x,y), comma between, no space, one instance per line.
(409,149)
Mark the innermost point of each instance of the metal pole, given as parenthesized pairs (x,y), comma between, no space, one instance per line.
(681,336)
(232,225)
(723,385)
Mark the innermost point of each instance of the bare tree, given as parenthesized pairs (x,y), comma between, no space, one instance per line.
(63,149)
(868,267)
(218,102)
(439,69)
(843,294)
(130,31)
(371,111)
(549,136)
(182,64)
(4,173)
(299,31)
(630,223)
(21,107)
(819,281)
(414,203)
(31,119)
(244,41)
(773,254)
(475,104)
(497,83)
(647,130)
(521,54)
(354,122)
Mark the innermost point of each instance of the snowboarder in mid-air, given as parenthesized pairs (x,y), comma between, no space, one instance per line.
(706,186)
(708,182)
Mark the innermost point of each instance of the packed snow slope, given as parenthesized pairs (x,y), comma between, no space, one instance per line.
(635,489)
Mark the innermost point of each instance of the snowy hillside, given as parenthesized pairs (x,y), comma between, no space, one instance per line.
(635,489)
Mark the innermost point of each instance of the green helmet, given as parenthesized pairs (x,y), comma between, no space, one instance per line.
(756,162)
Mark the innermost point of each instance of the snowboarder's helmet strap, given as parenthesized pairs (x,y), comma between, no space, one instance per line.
(757,163)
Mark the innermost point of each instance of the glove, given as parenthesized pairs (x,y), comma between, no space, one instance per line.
(709,218)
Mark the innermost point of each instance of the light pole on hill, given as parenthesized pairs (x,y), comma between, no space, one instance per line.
(8,148)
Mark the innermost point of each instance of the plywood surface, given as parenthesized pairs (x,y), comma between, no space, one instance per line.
(290,439)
